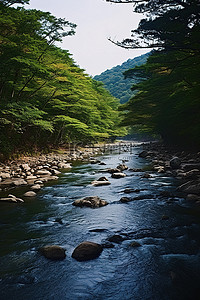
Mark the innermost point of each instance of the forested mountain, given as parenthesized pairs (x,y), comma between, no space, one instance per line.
(45,98)
(168,101)
(115,82)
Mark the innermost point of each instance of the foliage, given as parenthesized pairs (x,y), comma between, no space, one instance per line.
(45,99)
(168,100)
(115,82)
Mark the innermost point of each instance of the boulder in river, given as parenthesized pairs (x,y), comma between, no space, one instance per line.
(101,181)
(53,252)
(30,194)
(118,175)
(112,170)
(116,238)
(122,167)
(87,251)
(91,201)
(125,199)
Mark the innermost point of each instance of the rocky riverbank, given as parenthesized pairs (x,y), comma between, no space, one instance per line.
(33,172)
(183,165)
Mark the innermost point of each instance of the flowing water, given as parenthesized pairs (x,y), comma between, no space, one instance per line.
(166,266)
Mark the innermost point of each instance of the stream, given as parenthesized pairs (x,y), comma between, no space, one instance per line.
(166,266)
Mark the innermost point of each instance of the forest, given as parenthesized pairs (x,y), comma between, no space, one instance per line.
(168,97)
(46,100)
(116,83)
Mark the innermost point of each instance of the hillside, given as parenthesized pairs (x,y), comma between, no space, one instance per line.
(114,81)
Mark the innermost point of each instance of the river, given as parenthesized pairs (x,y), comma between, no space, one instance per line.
(166,266)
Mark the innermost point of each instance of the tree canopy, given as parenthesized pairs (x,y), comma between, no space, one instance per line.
(168,100)
(45,98)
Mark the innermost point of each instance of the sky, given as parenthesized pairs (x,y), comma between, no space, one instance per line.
(97,20)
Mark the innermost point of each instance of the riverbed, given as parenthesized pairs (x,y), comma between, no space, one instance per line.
(165,266)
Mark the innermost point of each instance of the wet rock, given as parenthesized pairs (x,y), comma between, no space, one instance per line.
(175,162)
(87,251)
(122,167)
(146,175)
(135,244)
(30,194)
(102,163)
(101,181)
(59,220)
(116,239)
(95,161)
(53,252)
(107,245)
(111,170)
(118,175)
(125,199)
(135,170)
(92,201)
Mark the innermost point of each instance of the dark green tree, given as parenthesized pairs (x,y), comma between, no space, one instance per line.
(168,101)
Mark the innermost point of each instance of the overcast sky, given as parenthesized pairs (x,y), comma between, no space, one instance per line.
(96,21)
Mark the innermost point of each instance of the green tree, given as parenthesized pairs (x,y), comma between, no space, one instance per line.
(167,101)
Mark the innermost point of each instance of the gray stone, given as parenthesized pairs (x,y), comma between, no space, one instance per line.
(100,183)
(30,194)
(122,167)
(92,201)
(125,199)
(118,175)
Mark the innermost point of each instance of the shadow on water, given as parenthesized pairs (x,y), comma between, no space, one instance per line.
(166,265)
